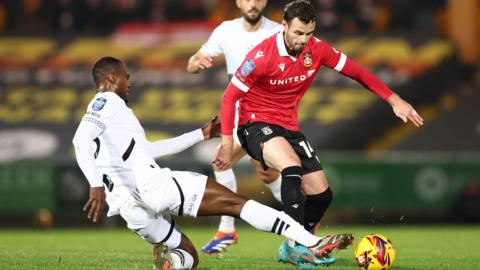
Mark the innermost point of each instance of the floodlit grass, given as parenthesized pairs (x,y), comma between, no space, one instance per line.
(418,247)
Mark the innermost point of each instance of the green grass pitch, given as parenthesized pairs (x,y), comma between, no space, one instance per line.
(418,247)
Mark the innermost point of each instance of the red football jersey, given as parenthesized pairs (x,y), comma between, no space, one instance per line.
(270,82)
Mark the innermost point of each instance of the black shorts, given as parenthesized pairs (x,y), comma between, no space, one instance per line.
(252,135)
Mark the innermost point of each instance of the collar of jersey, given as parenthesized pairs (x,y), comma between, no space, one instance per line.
(282,50)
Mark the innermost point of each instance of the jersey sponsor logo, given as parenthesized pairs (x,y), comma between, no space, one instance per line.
(99,103)
(310,72)
(288,80)
(267,130)
(247,67)
(307,59)
(259,54)
(282,66)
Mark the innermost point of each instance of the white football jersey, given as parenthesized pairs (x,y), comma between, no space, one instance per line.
(231,39)
(112,150)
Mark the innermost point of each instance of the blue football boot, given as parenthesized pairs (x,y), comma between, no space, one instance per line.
(220,242)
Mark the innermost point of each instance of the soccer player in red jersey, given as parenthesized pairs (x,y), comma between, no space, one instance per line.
(269,84)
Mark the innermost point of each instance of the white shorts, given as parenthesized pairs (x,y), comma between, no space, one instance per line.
(147,212)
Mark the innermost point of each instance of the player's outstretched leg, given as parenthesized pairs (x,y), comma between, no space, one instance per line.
(301,256)
(287,254)
(218,200)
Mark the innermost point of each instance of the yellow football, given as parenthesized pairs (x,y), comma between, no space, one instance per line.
(375,252)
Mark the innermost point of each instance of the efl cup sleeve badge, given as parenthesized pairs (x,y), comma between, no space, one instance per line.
(99,103)
(247,67)
(307,59)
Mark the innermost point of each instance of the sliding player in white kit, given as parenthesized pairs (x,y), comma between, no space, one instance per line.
(235,38)
(113,152)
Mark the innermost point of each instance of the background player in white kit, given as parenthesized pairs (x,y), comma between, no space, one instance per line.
(113,152)
(235,38)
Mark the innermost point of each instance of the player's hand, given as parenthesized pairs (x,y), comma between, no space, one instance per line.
(95,203)
(223,158)
(203,61)
(404,110)
(211,129)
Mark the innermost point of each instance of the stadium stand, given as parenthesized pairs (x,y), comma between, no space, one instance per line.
(45,84)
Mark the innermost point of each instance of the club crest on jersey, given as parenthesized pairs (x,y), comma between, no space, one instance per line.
(267,130)
(247,67)
(99,103)
(307,59)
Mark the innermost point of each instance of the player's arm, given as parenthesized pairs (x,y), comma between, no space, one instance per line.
(245,77)
(198,62)
(340,62)
(178,144)
(204,57)
(401,108)
(224,156)
(84,153)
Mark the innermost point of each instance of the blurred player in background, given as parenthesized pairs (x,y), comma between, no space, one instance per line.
(271,81)
(235,38)
(113,153)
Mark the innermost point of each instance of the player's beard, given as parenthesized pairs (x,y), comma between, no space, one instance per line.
(297,50)
(292,49)
(252,19)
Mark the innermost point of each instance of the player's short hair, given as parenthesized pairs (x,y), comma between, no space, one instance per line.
(104,66)
(301,9)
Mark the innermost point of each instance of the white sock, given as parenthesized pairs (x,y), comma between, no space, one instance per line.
(290,242)
(181,259)
(275,188)
(277,222)
(227,178)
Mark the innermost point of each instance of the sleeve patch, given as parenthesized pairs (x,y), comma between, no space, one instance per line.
(247,67)
(99,104)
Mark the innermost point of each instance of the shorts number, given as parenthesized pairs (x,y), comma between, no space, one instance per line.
(308,149)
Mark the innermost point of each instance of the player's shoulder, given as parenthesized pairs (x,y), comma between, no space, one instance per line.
(264,50)
(104,102)
(320,45)
(270,24)
(316,41)
(229,25)
(269,42)
(260,57)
